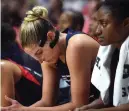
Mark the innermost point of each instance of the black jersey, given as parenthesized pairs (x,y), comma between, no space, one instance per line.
(29,87)
(65,75)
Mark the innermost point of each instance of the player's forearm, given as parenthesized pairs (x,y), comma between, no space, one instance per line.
(124,107)
(98,103)
(65,107)
(42,103)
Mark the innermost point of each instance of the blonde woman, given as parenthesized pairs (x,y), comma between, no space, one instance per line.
(71,54)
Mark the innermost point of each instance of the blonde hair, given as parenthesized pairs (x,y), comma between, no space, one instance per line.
(35,26)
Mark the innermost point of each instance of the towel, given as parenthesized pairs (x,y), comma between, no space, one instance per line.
(101,74)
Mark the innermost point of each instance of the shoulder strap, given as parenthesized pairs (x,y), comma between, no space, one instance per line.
(70,33)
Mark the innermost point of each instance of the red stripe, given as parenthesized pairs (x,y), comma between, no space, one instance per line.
(26,73)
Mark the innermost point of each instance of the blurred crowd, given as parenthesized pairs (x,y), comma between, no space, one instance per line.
(16,11)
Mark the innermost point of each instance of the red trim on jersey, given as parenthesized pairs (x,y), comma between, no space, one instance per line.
(26,73)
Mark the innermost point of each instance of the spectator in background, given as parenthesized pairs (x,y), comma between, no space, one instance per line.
(90,7)
(13,12)
(55,10)
(76,5)
(71,19)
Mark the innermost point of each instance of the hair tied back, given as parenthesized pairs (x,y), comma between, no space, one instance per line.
(38,12)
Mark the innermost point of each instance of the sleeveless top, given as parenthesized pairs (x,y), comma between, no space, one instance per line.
(65,94)
(29,87)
